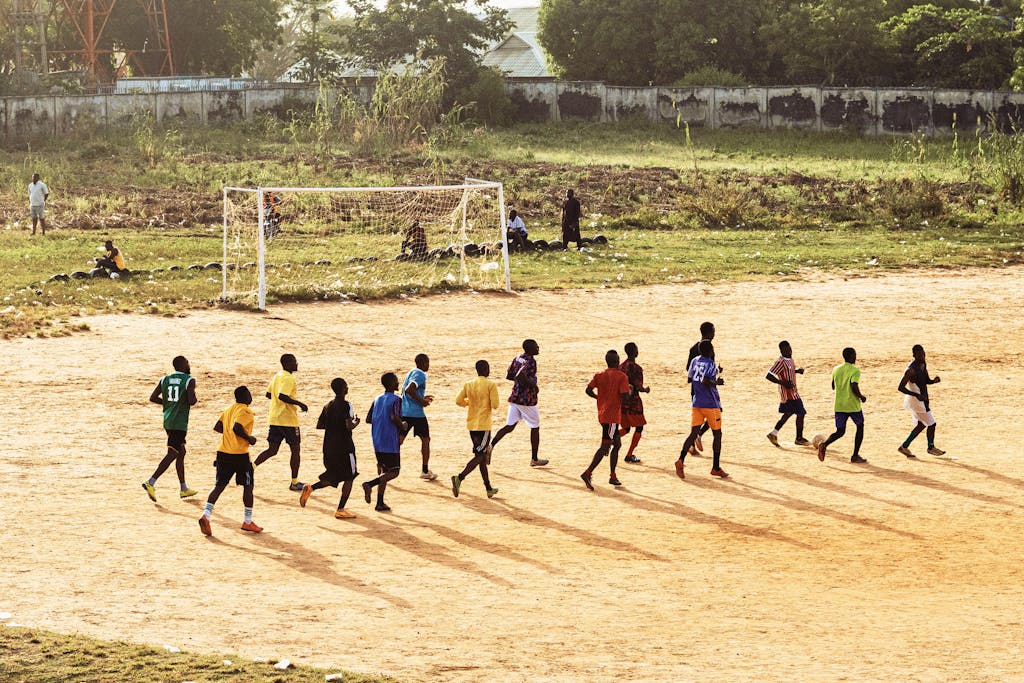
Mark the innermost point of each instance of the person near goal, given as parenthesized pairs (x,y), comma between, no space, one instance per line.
(337,419)
(612,387)
(235,427)
(633,406)
(914,385)
(176,393)
(414,400)
(784,373)
(284,418)
(571,213)
(113,260)
(480,397)
(516,231)
(416,242)
(522,402)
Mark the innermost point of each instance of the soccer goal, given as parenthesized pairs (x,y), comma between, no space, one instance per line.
(288,243)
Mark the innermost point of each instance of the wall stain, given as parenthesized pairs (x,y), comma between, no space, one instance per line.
(905,114)
(578,105)
(793,107)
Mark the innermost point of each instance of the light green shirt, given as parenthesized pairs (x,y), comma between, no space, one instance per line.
(843,376)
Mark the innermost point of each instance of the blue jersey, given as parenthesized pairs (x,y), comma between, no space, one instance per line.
(411,408)
(383,430)
(703,396)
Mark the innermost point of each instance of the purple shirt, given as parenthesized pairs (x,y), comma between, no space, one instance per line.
(704,397)
(523,367)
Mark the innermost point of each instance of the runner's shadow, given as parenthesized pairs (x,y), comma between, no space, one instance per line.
(480,544)
(653,504)
(393,534)
(928,482)
(299,557)
(818,483)
(979,470)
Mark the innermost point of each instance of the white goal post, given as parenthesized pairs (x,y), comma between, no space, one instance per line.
(284,243)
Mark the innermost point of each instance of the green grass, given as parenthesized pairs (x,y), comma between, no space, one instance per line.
(34,656)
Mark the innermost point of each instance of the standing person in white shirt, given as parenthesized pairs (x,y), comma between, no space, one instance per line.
(517,234)
(37,194)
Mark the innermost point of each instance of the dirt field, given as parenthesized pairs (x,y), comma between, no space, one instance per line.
(790,570)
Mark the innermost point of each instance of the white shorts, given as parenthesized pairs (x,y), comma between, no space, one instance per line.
(925,417)
(528,414)
(37,212)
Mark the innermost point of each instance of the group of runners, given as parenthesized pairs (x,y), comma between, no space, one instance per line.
(399,411)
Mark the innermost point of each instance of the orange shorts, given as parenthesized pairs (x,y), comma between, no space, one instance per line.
(712,415)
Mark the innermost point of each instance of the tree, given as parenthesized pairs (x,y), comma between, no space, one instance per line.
(426,29)
(320,38)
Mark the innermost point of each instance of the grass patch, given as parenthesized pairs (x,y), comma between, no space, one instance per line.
(32,655)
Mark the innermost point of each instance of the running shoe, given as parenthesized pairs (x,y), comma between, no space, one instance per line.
(187,493)
(802,442)
(679,469)
(204,526)
(932,450)
(906,451)
(540,462)
(344,514)
(381,507)
(775,440)
(633,459)
(428,475)
(491,493)
(698,444)
(857,459)
(586,480)
(307,491)
(150,490)
(719,472)
(456,484)
(251,526)
(821,451)
(614,481)
(367,488)
(297,486)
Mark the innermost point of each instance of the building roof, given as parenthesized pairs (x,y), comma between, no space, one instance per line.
(519,55)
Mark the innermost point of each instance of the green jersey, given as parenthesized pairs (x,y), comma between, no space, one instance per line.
(843,376)
(174,390)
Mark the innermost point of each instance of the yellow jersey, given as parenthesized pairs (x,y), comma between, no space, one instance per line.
(117,258)
(283,414)
(481,395)
(238,413)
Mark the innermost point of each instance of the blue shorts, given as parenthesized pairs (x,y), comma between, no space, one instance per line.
(290,435)
(794,407)
(841,418)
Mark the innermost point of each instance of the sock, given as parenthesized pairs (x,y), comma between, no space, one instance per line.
(295,480)
(774,432)
(425,469)
(910,439)
(248,514)
(634,442)
(208,510)
(152,481)
(931,443)
(184,486)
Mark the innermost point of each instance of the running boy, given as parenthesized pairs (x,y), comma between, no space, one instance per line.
(481,397)
(176,392)
(633,405)
(784,373)
(915,385)
(707,333)
(337,419)
(235,426)
(522,402)
(707,407)
(845,382)
(284,417)
(414,400)
(612,389)
(385,418)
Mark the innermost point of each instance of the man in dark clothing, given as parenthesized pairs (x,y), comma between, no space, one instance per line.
(571,213)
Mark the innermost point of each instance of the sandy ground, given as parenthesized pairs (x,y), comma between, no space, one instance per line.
(790,570)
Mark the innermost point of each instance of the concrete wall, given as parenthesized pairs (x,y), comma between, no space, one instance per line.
(872,111)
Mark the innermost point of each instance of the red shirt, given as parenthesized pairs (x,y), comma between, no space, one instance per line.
(610,385)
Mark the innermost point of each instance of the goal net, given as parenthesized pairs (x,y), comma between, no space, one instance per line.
(290,243)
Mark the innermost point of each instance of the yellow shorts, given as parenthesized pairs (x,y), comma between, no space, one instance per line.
(712,415)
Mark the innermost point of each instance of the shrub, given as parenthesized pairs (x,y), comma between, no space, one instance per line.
(711,75)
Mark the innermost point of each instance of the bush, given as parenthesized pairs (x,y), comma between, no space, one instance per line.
(486,99)
(711,75)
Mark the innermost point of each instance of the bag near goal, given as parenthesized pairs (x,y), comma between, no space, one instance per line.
(303,243)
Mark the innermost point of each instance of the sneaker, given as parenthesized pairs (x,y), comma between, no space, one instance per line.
(857,459)
(491,493)
(187,493)
(774,440)
(538,463)
(428,475)
(693,451)
(251,526)
(150,490)
(932,450)
(456,485)
(297,486)
(586,480)
(367,488)
(719,472)
(698,444)
(204,526)
(307,491)
(821,451)
(802,442)
(381,507)
(906,451)
(614,481)
(632,459)
(679,469)
(344,514)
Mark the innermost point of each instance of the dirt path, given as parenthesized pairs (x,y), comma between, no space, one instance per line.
(792,569)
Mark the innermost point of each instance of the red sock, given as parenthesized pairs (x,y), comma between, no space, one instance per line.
(634,442)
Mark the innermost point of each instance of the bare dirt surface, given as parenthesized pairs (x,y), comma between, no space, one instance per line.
(790,570)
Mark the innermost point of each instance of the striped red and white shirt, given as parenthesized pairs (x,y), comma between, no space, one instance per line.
(784,370)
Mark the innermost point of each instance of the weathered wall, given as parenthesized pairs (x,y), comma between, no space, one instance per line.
(871,111)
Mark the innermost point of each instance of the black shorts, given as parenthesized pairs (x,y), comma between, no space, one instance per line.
(176,439)
(418,426)
(389,462)
(481,440)
(609,432)
(338,467)
(237,465)
(290,435)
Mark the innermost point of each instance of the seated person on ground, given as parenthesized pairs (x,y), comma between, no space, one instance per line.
(113,261)
(416,241)
(517,235)
(271,214)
